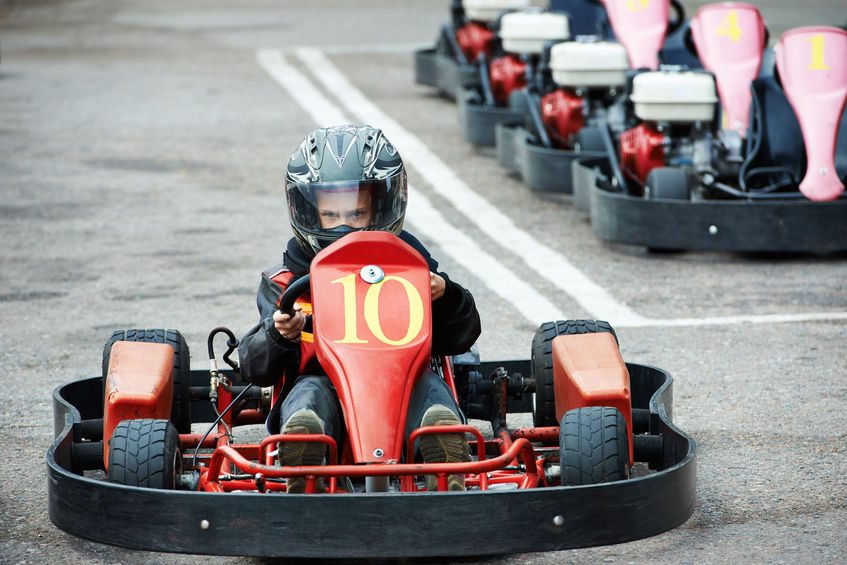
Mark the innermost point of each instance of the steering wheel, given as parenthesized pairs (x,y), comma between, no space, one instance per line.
(292,292)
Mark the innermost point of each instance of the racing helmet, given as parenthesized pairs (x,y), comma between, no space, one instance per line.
(342,179)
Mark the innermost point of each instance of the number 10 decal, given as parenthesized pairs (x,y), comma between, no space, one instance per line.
(371,311)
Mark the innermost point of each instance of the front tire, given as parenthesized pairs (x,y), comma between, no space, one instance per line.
(544,411)
(593,446)
(145,453)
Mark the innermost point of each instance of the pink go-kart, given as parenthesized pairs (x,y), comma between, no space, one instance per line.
(748,155)
(581,88)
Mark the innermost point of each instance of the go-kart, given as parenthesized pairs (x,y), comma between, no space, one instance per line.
(580,89)
(135,462)
(517,52)
(452,63)
(765,173)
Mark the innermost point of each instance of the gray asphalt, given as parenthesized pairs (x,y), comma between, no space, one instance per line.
(141,153)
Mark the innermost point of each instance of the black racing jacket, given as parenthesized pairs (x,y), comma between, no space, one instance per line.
(265,356)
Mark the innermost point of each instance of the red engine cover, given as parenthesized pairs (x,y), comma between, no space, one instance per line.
(473,39)
(642,150)
(563,116)
(507,75)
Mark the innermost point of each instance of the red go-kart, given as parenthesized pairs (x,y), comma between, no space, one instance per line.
(602,463)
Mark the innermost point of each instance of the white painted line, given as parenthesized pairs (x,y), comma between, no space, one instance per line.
(466,252)
(742,319)
(421,214)
(324,112)
(351,49)
(379,48)
(499,227)
(543,260)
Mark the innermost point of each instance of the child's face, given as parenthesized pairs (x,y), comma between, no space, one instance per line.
(338,208)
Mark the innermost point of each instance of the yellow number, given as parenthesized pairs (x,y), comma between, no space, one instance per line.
(637,5)
(372,311)
(817,63)
(729,26)
(349,283)
(415,311)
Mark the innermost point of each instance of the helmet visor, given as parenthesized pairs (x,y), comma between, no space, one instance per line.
(364,204)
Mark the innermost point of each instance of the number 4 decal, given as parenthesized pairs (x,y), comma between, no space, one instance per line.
(729,26)
(371,307)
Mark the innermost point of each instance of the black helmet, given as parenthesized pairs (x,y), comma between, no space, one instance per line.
(342,179)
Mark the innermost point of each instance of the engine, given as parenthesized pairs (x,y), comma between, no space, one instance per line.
(589,75)
(563,115)
(475,38)
(677,110)
(523,36)
(646,147)
(506,74)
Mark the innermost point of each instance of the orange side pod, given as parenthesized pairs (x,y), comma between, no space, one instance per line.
(139,384)
(588,371)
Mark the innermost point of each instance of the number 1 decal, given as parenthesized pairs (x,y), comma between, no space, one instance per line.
(349,283)
(637,5)
(729,26)
(371,307)
(817,63)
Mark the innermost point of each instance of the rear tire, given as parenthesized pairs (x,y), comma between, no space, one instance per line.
(145,453)
(544,412)
(593,446)
(180,409)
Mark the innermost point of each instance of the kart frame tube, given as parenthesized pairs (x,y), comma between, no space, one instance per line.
(435,523)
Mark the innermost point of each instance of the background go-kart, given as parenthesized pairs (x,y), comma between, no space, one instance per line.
(142,150)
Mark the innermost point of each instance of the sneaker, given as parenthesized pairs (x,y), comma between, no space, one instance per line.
(443,448)
(291,454)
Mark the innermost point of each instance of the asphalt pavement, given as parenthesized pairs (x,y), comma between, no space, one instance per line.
(142,151)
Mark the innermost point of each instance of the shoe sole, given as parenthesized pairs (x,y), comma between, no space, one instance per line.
(443,448)
(298,454)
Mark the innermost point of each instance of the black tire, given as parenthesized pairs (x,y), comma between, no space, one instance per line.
(589,139)
(667,183)
(544,412)
(145,453)
(180,410)
(593,446)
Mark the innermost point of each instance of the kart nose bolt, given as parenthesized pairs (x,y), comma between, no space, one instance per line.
(371,274)
(378,452)
(204,524)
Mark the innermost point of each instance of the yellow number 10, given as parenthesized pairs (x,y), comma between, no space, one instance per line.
(729,26)
(817,63)
(372,311)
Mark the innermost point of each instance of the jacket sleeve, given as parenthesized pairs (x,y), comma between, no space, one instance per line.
(264,355)
(455,320)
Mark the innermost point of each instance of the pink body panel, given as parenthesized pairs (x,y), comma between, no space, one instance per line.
(640,26)
(812,65)
(730,39)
